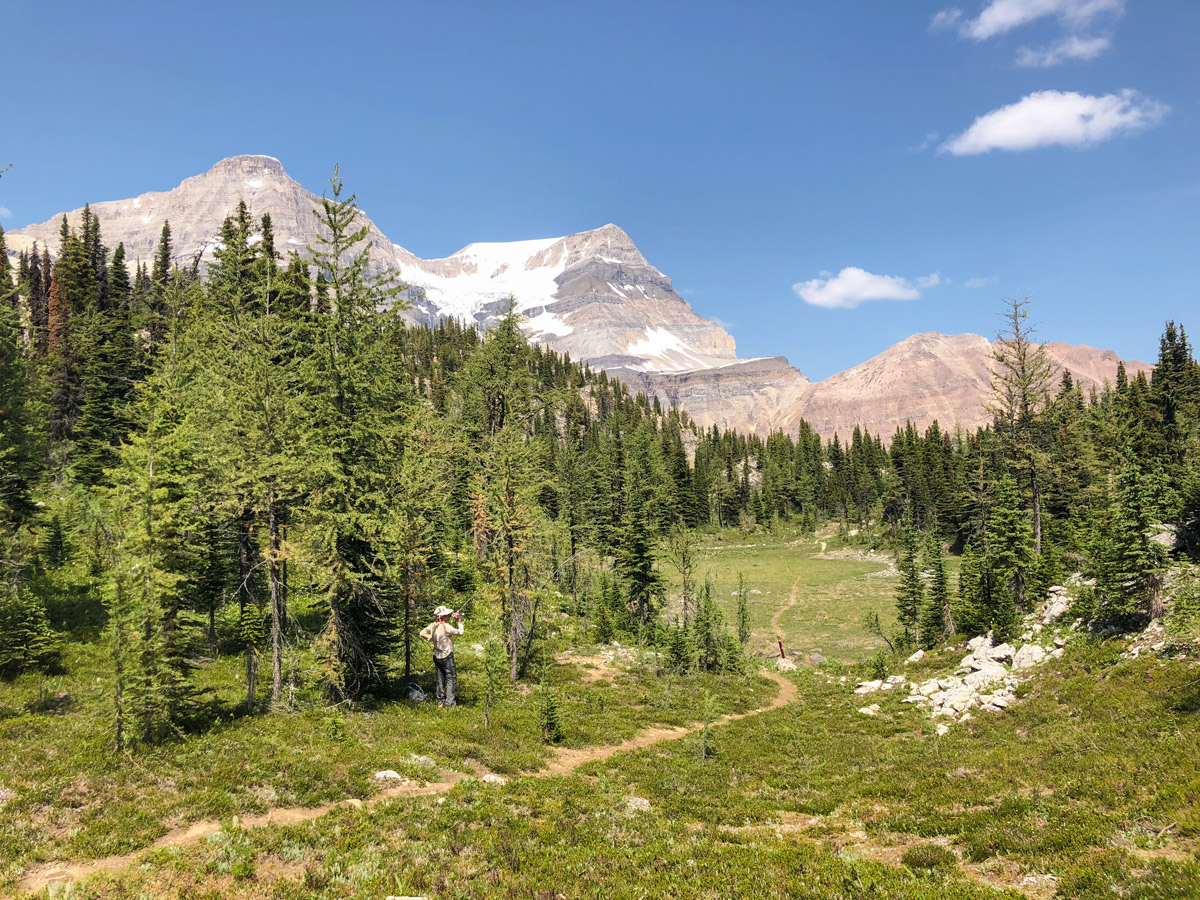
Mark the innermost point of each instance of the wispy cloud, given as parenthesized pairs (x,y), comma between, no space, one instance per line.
(721,322)
(1071,47)
(1076,17)
(5,212)
(853,286)
(930,140)
(1045,118)
(974,283)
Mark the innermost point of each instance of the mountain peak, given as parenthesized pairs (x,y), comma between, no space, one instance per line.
(249,164)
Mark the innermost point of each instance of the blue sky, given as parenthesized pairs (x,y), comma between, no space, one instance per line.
(789,165)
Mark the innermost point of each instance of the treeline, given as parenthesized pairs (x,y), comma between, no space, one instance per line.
(267,443)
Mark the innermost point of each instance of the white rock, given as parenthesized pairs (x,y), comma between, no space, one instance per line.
(991,707)
(1003,653)
(896,679)
(970,662)
(871,710)
(987,674)
(1060,642)
(389,775)
(478,648)
(785,665)
(964,717)
(638,804)
(915,698)
(1027,636)
(1028,656)
(916,657)
(867,687)
(976,642)
(1057,653)
(493,778)
(929,688)
(422,760)
(999,700)
(1055,608)
(943,730)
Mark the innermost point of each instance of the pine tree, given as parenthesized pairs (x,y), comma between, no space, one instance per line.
(743,610)
(1009,560)
(968,612)
(359,408)
(936,618)
(909,590)
(1021,381)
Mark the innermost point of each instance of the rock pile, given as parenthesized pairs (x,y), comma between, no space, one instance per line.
(985,680)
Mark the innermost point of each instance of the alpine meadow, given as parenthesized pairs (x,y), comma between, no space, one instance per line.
(335,568)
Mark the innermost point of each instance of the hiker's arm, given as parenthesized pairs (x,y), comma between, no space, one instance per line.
(450,629)
(427,632)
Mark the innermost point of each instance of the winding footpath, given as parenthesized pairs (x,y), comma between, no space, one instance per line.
(563,762)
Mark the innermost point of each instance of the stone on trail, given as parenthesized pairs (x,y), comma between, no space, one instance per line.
(638,804)
(493,778)
(785,665)
(389,775)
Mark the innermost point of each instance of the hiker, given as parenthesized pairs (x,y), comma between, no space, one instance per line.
(439,632)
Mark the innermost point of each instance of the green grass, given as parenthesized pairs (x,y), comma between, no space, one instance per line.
(833,594)
(1088,787)
(73,798)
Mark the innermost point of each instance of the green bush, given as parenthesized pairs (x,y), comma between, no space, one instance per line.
(929,857)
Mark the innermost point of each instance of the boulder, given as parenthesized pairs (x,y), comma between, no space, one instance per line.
(872,710)
(1060,642)
(389,775)
(929,688)
(421,760)
(1028,656)
(816,659)
(1055,608)
(916,657)
(638,804)
(943,730)
(1002,653)
(976,642)
(867,687)
(1056,653)
(493,778)
(985,675)
(785,665)
(896,679)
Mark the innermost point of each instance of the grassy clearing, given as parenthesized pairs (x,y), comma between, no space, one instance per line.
(74,799)
(1087,788)
(834,589)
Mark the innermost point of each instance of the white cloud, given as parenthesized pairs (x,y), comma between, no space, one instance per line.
(1002,16)
(5,212)
(1076,17)
(1045,118)
(979,282)
(853,285)
(1071,47)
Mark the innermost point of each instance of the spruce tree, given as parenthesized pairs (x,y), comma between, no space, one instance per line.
(936,618)
(909,590)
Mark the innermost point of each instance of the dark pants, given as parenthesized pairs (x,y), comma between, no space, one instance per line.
(447,679)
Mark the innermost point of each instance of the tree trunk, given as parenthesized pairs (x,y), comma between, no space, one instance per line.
(1036,487)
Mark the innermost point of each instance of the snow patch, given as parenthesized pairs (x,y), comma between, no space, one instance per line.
(145,220)
(548,323)
(486,273)
(137,204)
(618,290)
(255,183)
(665,352)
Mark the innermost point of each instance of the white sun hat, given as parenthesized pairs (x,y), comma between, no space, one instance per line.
(442,611)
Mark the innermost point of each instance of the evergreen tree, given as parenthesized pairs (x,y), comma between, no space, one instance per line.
(909,591)
(937,621)
(743,611)
(1009,560)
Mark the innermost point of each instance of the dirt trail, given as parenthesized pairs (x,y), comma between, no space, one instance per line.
(563,762)
(776,628)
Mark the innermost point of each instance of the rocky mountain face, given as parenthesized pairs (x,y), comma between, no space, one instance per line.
(594,296)
(926,378)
